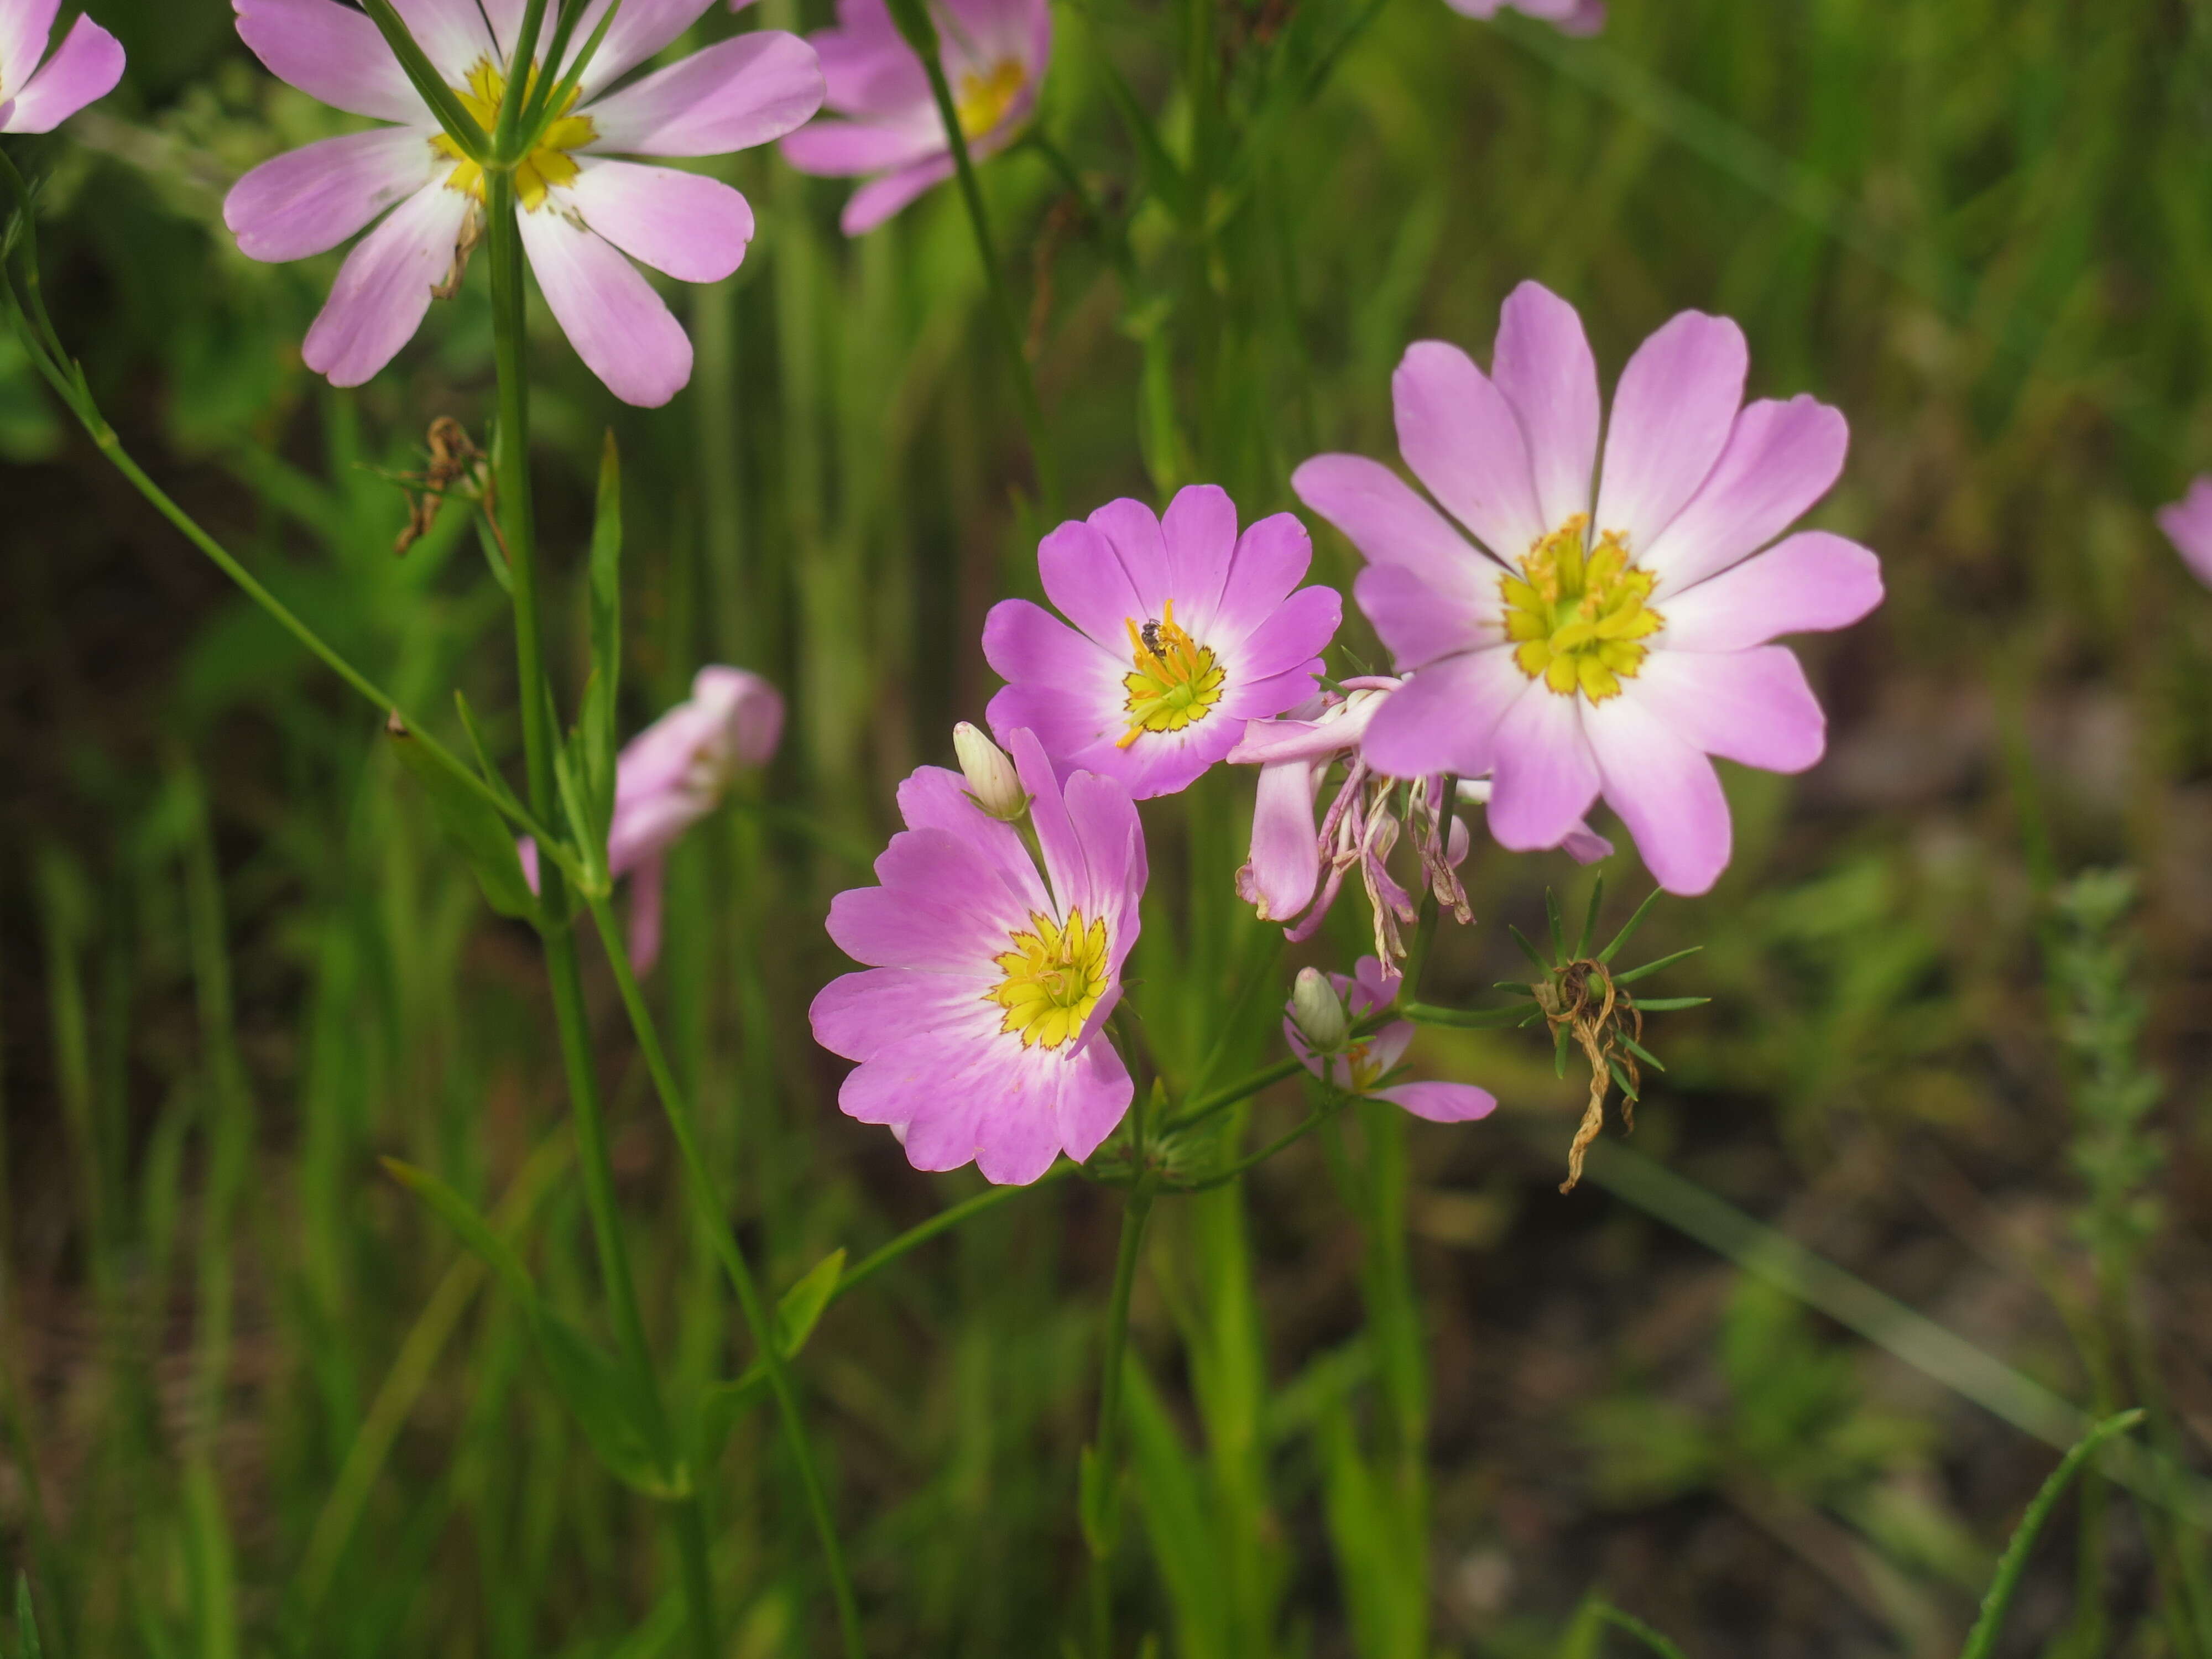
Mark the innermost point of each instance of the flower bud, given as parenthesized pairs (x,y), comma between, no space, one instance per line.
(1318,1010)
(992,779)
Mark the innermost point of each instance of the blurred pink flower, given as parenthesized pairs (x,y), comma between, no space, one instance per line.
(1361,1067)
(1294,754)
(977,1023)
(1569,653)
(38,98)
(995,54)
(674,774)
(580,212)
(1571,16)
(1188,629)
(2188,526)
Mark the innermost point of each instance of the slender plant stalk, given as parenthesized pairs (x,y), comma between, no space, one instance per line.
(1101,1506)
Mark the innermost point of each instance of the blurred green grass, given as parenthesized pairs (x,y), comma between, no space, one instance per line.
(1980,227)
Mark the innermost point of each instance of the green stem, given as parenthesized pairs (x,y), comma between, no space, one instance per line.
(706,1194)
(1221,1099)
(1245,1166)
(1327,67)
(563,971)
(1105,1460)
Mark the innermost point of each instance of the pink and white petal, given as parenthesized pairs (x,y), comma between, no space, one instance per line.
(1086,581)
(1780,459)
(1666,791)
(1067,863)
(1391,524)
(1167,763)
(649,893)
(452,34)
(1546,779)
(333,54)
(1441,1103)
(383,290)
(2188,526)
(1445,718)
(87,66)
(26,25)
(1271,557)
(1545,368)
(1026,643)
(1140,546)
(1672,415)
(1284,866)
(1264,699)
(869,69)
(1585,845)
(309,200)
(1464,443)
(747,90)
(1199,531)
(879,198)
(640,33)
(648,824)
(934,799)
(1095,1093)
(931,933)
(1811,583)
(1750,707)
(924,1078)
(860,1015)
(1112,838)
(690,227)
(831,149)
(1073,728)
(1015,1147)
(620,328)
(1300,628)
(1422,624)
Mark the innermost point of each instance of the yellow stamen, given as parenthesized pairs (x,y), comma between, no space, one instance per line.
(1577,615)
(1053,978)
(1176,680)
(984,100)
(547,165)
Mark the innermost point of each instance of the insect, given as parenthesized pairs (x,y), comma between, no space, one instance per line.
(1150,636)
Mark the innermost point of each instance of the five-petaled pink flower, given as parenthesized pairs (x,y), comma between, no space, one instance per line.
(2188,526)
(1608,647)
(36,98)
(1569,17)
(977,1025)
(1183,631)
(580,212)
(1360,1065)
(674,774)
(994,54)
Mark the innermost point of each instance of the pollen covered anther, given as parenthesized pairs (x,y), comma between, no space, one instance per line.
(1578,614)
(1053,977)
(1174,682)
(548,165)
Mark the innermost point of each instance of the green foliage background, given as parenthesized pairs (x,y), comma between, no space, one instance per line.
(236,965)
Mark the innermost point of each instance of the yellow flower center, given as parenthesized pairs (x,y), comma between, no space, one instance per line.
(1578,614)
(546,166)
(1176,681)
(984,100)
(1053,978)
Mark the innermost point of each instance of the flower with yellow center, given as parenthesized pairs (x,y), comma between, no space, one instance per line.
(1176,681)
(1053,977)
(549,162)
(984,100)
(1578,614)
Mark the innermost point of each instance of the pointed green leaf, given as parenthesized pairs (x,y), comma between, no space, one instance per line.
(1559,1036)
(26,1619)
(1099,1505)
(489,773)
(1529,950)
(1464,1019)
(602,696)
(1661,1645)
(1639,1051)
(471,824)
(1651,968)
(1557,927)
(802,1306)
(475,1231)
(445,103)
(1590,918)
(1670,1005)
(797,1314)
(1629,931)
(1621,1077)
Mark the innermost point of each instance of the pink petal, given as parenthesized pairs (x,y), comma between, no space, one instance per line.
(1672,415)
(26,26)
(1544,368)
(1665,791)
(1271,558)
(1139,544)
(452,34)
(1286,860)
(1546,779)
(879,198)
(88,66)
(693,227)
(1421,624)
(1445,718)
(1810,583)
(838,149)
(1441,1103)
(2188,526)
(620,327)
(640,31)
(1024,643)
(1264,699)
(1462,441)
(383,290)
(1086,582)
(1780,458)
(1094,1097)
(649,890)
(310,200)
(1298,629)
(1389,523)
(1112,838)
(869,70)
(860,1015)
(730,96)
(333,54)
(943,907)
(1752,707)
(1198,532)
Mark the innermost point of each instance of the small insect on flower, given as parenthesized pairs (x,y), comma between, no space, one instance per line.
(38,96)
(1363,1065)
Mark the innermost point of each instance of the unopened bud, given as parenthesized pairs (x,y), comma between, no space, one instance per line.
(1319,1012)
(992,779)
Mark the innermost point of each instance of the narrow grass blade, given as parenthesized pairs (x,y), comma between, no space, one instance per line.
(1651,968)
(1628,931)
(1590,918)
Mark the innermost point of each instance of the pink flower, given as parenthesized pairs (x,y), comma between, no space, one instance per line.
(977,1024)
(1187,630)
(1571,16)
(674,774)
(2188,526)
(1294,754)
(995,54)
(36,98)
(1571,652)
(1359,1067)
(580,210)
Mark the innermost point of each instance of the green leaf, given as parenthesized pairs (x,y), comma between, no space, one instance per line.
(454,116)
(476,1233)
(1099,1505)
(1464,1019)
(1558,927)
(1627,1088)
(1651,968)
(1659,1645)
(1166,179)
(1639,1051)
(26,1619)
(1590,918)
(602,696)
(489,773)
(797,1314)
(1629,931)
(471,824)
(1670,1005)
(1559,1036)
(1529,950)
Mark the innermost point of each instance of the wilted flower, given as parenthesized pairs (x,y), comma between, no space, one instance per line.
(580,211)
(1576,652)
(1294,754)
(977,1025)
(1187,630)
(994,54)
(674,774)
(1359,1067)
(2188,526)
(1570,16)
(37,97)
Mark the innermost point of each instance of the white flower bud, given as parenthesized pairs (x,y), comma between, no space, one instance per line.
(992,779)
(1319,1012)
